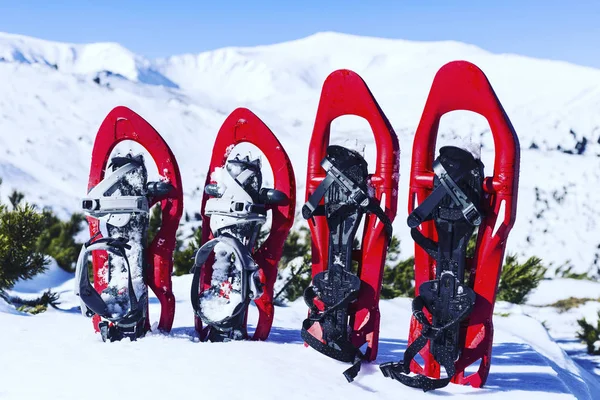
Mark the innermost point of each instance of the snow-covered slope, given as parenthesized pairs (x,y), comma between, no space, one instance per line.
(53,97)
(80,59)
(73,363)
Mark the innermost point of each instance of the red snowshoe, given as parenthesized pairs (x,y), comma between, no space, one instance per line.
(344,305)
(452,311)
(118,201)
(228,271)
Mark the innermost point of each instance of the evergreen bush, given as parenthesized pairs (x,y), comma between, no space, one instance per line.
(517,280)
(590,335)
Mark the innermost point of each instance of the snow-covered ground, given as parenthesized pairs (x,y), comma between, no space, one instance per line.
(57,354)
(53,97)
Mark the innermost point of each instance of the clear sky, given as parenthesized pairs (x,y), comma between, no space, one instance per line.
(565,30)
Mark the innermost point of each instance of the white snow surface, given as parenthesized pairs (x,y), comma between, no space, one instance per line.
(551,290)
(51,107)
(527,363)
(8,308)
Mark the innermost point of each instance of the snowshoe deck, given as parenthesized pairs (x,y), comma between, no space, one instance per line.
(461,85)
(123,266)
(229,271)
(454,206)
(344,306)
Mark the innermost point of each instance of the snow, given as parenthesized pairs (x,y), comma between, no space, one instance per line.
(561,324)
(550,291)
(61,343)
(8,308)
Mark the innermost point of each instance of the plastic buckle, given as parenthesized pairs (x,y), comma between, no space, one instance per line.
(90,204)
(360,198)
(471,214)
(469,210)
(307,210)
(430,332)
(238,206)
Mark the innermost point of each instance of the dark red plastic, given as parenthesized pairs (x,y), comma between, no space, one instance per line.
(123,124)
(242,125)
(345,93)
(460,85)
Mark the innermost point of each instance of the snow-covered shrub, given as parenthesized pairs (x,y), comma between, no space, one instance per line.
(590,335)
(16,198)
(566,271)
(19,255)
(183,257)
(398,275)
(37,305)
(57,239)
(154,222)
(185,248)
(517,280)
(564,305)
(295,266)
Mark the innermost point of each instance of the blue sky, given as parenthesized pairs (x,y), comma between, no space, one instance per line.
(547,29)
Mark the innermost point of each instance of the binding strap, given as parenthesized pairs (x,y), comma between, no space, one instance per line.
(116,210)
(400,370)
(92,302)
(448,186)
(251,286)
(338,348)
(355,195)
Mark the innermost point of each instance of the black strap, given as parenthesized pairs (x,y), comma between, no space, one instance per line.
(374,208)
(341,350)
(359,197)
(309,208)
(448,187)
(93,300)
(344,352)
(400,370)
(245,257)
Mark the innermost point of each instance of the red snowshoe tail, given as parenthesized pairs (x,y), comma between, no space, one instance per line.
(242,125)
(345,93)
(123,124)
(460,85)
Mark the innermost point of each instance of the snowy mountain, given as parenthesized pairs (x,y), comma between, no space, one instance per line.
(53,97)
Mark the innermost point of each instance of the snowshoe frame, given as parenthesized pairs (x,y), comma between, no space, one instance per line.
(345,93)
(460,85)
(124,124)
(242,125)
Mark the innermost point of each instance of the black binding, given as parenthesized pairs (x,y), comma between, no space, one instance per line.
(454,207)
(346,200)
